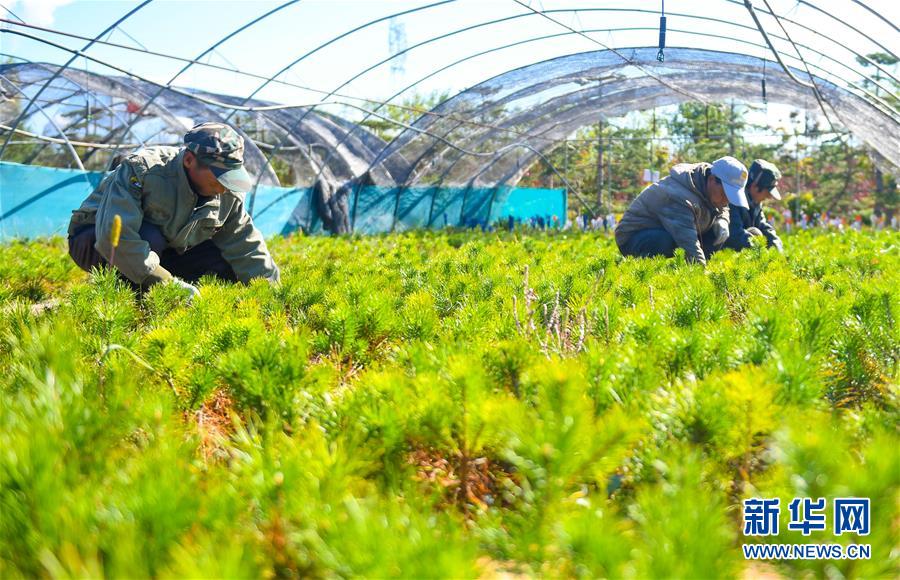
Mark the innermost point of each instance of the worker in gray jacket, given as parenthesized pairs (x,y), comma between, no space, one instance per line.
(749,222)
(182,215)
(687,209)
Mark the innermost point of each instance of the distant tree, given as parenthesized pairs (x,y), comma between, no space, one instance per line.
(886,197)
(407,112)
(885,60)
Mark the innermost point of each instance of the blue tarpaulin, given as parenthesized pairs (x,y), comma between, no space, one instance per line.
(38,201)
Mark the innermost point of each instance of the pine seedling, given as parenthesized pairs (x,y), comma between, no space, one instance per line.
(114,235)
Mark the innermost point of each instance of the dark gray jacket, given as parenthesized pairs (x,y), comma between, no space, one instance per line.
(679,204)
(741,219)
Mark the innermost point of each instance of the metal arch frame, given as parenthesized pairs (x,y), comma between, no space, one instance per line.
(475,26)
(269,155)
(50,119)
(604,9)
(822,69)
(504,150)
(426,153)
(335,39)
(574,124)
(737,2)
(27,107)
(289,105)
(550,36)
(577,120)
(648,11)
(105,106)
(839,21)
(195,98)
(211,48)
(738,54)
(163,112)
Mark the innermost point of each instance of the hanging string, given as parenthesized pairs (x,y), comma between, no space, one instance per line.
(660,56)
(765,99)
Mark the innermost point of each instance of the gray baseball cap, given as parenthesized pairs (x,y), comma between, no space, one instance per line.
(220,148)
(733,175)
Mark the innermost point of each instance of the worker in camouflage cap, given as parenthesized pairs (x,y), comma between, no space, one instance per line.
(182,215)
(745,223)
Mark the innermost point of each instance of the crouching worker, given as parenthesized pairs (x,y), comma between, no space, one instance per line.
(182,215)
(749,222)
(687,209)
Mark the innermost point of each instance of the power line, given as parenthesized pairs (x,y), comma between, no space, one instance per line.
(13,13)
(684,92)
(787,71)
(289,106)
(27,106)
(874,79)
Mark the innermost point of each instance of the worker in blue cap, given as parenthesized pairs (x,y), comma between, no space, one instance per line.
(687,209)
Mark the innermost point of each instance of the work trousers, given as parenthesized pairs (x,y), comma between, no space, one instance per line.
(202,259)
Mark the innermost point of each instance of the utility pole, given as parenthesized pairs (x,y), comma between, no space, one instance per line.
(600,206)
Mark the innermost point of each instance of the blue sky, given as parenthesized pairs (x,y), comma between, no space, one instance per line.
(187,27)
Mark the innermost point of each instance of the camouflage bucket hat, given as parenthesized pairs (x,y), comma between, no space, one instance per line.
(221,148)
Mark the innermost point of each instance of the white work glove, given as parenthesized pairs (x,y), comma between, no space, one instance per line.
(720,231)
(194,291)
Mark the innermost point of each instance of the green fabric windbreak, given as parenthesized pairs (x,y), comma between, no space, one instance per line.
(38,201)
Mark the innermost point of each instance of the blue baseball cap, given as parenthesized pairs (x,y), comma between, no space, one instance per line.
(733,175)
